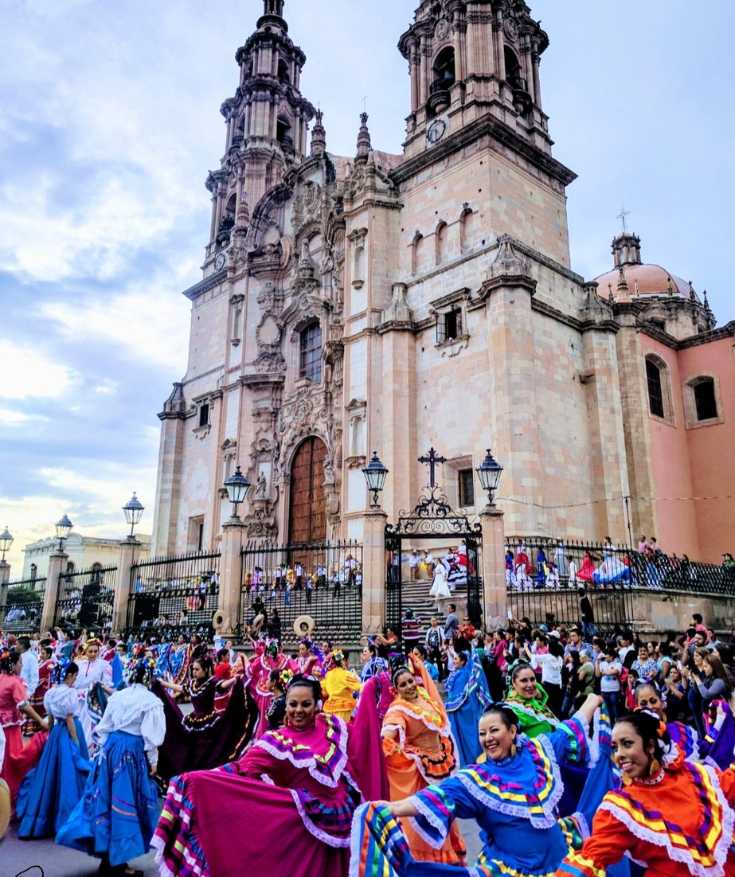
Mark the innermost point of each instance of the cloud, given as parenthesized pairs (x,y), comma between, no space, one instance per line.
(11,418)
(27,372)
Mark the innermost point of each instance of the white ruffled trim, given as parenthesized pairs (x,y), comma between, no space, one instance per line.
(435,821)
(356,840)
(582,825)
(548,820)
(671,755)
(415,758)
(684,857)
(552,720)
(442,729)
(310,763)
(593,745)
(164,871)
(328,839)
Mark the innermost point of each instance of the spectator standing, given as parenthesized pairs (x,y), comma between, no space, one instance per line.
(29,664)
(608,670)
(645,666)
(433,643)
(411,632)
(451,623)
(589,629)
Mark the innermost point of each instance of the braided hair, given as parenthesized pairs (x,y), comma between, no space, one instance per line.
(302,681)
(650,729)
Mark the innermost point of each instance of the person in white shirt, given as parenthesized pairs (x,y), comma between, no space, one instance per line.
(29,664)
(413,564)
(551,664)
(93,670)
(118,814)
(608,669)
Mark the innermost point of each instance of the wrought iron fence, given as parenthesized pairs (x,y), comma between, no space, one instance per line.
(21,605)
(173,596)
(610,611)
(281,583)
(534,564)
(85,598)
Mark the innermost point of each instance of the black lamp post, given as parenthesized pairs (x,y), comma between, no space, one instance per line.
(133,511)
(6,540)
(237,487)
(490,473)
(375,474)
(63,528)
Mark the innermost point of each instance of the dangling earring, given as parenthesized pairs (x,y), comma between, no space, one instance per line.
(513,750)
(655,767)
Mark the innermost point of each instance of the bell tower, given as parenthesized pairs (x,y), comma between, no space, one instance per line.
(468,58)
(267,125)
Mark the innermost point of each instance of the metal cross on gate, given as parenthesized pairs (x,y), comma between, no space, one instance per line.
(432,459)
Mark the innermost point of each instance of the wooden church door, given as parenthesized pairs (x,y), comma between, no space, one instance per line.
(307,513)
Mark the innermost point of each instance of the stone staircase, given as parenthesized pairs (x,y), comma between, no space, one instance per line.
(415,595)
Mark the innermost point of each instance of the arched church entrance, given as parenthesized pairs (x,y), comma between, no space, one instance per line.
(307,513)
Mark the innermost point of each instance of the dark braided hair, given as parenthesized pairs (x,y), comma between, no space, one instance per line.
(302,681)
(8,660)
(650,729)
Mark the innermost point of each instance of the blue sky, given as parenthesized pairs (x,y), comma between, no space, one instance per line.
(109,121)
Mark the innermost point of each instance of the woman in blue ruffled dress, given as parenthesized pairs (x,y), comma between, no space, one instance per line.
(467,697)
(512,795)
(52,789)
(118,813)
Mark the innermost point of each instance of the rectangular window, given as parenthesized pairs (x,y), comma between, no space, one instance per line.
(466,488)
(195,536)
(310,366)
(705,399)
(449,326)
(204,414)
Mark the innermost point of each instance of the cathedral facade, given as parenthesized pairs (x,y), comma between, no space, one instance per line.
(394,302)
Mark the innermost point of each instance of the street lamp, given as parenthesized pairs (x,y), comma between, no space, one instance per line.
(133,511)
(489,473)
(237,487)
(63,528)
(6,540)
(375,474)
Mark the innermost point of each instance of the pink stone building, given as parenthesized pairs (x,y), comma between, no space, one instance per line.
(393,302)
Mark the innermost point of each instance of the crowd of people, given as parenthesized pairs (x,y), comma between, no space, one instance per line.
(569,751)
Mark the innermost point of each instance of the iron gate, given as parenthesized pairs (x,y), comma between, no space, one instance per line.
(432,521)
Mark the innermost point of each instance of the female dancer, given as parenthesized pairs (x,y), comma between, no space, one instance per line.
(418,749)
(117,814)
(513,796)
(299,783)
(672,816)
(467,697)
(647,697)
(45,668)
(340,685)
(528,700)
(216,731)
(93,685)
(51,791)
(268,658)
(14,703)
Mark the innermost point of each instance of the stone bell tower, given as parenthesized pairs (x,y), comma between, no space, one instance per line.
(267,125)
(470,58)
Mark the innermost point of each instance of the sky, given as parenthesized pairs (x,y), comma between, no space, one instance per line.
(109,122)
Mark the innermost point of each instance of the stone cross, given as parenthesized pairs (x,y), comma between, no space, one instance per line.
(432,459)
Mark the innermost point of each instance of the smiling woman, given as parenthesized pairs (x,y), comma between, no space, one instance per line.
(675,816)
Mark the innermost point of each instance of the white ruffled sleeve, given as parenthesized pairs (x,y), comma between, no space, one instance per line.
(153,731)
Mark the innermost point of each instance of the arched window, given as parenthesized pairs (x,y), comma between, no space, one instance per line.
(415,248)
(310,352)
(444,68)
(466,228)
(283,134)
(700,400)
(513,69)
(659,396)
(70,567)
(283,72)
(442,231)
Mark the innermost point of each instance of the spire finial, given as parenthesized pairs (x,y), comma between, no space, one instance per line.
(622,282)
(363,139)
(622,216)
(319,135)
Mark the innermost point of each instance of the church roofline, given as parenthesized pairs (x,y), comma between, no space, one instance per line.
(193,292)
(488,124)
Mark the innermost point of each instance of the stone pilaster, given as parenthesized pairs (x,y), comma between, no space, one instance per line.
(493,566)
(168,481)
(56,565)
(373,571)
(233,532)
(125,561)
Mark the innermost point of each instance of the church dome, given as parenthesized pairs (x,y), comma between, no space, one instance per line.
(631,278)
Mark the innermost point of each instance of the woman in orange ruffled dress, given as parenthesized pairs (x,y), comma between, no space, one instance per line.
(419,751)
(672,817)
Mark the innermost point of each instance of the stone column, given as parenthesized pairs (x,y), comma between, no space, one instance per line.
(4,579)
(125,561)
(56,565)
(493,565)
(230,575)
(373,571)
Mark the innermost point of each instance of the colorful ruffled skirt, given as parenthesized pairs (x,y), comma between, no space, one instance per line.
(52,789)
(118,814)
